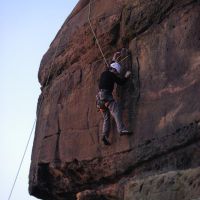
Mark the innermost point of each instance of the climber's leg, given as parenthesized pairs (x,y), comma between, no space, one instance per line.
(116,113)
(106,122)
(106,126)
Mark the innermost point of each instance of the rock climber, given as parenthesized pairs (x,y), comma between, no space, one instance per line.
(106,86)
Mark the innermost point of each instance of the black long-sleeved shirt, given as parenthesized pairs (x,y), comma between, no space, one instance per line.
(108,79)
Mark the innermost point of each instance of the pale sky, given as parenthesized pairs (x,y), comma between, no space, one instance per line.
(26,30)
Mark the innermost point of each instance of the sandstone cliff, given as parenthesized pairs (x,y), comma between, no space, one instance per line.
(160,104)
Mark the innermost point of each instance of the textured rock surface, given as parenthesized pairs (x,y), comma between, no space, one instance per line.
(160,102)
(169,186)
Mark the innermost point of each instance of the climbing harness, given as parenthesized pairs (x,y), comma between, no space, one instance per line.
(102,105)
(42,97)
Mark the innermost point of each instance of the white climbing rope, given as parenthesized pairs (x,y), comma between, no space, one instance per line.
(97,41)
(123,59)
(33,127)
(34,123)
(46,83)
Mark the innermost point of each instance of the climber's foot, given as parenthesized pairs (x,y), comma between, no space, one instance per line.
(105,140)
(125,132)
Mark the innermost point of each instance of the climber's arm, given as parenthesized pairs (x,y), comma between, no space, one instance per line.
(122,81)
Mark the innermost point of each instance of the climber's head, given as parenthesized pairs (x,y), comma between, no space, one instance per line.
(115,67)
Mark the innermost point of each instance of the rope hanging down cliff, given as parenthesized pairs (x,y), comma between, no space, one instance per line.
(46,83)
(97,41)
(34,123)
(39,106)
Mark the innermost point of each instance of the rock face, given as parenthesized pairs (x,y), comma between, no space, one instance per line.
(161,46)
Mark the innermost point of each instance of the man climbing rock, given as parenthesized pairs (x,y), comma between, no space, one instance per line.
(106,86)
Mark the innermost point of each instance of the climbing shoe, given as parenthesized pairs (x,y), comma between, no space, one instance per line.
(125,132)
(105,140)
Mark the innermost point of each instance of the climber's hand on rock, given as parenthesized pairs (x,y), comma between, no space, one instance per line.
(116,56)
(127,75)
